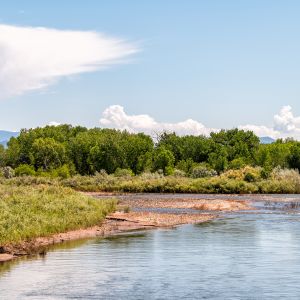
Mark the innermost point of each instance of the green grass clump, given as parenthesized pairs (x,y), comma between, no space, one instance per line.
(28,212)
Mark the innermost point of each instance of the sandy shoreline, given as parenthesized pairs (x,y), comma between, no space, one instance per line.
(114,224)
(122,221)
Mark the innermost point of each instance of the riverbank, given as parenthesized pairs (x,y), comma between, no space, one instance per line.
(131,215)
(114,224)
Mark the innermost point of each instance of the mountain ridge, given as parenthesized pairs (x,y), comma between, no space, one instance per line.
(6,135)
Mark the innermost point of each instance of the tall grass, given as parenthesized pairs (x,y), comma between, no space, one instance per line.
(40,210)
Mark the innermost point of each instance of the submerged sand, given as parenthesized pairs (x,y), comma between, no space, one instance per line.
(186,203)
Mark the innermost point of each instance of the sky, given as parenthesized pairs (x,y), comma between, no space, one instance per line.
(190,66)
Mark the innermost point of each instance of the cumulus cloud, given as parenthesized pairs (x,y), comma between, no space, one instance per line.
(285,124)
(54,123)
(115,117)
(34,57)
(261,130)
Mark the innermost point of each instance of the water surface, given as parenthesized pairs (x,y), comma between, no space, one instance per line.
(254,255)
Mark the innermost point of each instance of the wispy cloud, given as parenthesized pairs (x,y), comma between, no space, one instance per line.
(34,57)
(285,124)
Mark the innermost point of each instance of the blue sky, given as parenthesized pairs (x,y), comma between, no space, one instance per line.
(220,63)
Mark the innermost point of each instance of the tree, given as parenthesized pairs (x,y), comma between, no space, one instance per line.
(237,143)
(164,160)
(48,154)
(294,157)
(171,142)
(145,162)
(263,158)
(136,147)
(218,160)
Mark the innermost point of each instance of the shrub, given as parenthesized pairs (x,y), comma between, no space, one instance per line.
(202,171)
(265,173)
(148,175)
(169,170)
(249,177)
(179,173)
(24,170)
(253,174)
(237,163)
(8,172)
(285,174)
(186,165)
(62,172)
(123,173)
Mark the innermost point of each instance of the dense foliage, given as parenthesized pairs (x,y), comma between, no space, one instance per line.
(64,151)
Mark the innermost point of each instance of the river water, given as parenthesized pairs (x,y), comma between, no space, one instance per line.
(251,255)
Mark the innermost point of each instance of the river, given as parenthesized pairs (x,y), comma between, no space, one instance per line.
(250,255)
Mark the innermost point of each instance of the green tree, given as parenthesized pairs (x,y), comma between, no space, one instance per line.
(164,160)
(237,143)
(48,154)
(218,160)
(136,147)
(294,157)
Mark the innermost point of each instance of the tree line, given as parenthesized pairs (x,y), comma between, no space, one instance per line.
(78,150)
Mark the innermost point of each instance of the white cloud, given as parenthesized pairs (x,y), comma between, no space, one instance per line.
(35,57)
(115,117)
(261,130)
(285,124)
(53,123)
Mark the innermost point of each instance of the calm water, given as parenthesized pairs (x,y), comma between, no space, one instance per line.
(240,256)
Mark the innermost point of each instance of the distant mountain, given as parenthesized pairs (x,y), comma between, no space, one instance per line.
(266,140)
(6,135)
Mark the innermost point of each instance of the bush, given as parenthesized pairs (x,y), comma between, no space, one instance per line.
(265,173)
(237,163)
(62,172)
(202,171)
(286,174)
(8,172)
(24,170)
(247,173)
(169,170)
(249,177)
(148,175)
(186,165)
(123,173)
(179,173)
